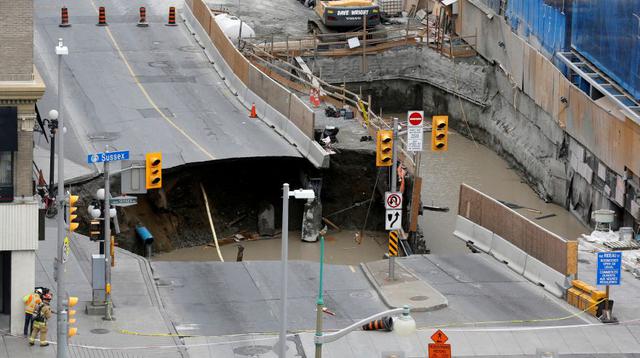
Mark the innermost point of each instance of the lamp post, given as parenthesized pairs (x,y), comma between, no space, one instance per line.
(52,123)
(62,324)
(298,194)
(404,326)
(320,300)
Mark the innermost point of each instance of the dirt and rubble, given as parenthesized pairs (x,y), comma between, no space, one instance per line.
(237,191)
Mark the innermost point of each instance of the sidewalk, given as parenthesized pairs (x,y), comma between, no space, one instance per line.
(137,307)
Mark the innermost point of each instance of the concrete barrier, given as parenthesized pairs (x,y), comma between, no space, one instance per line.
(464,229)
(543,275)
(482,238)
(280,123)
(470,232)
(508,253)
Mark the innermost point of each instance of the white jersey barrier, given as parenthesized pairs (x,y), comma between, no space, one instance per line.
(516,259)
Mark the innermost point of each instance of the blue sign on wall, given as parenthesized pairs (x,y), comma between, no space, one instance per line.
(609,264)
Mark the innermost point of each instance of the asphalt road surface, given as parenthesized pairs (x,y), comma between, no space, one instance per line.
(142,89)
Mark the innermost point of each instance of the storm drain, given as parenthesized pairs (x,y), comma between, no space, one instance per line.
(99,331)
(252,351)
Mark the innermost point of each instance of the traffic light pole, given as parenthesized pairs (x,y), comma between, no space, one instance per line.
(394,183)
(62,338)
(107,244)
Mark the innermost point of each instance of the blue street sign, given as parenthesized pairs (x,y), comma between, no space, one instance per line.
(609,264)
(108,157)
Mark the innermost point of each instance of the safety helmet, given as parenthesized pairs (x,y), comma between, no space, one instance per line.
(39,291)
(47,297)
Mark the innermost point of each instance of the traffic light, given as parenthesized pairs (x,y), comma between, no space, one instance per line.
(154,170)
(384,148)
(439,132)
(73,224)
(70,302)
(95,230)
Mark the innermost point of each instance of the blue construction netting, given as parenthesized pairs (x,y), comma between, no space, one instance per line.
(541,19)
(607,33)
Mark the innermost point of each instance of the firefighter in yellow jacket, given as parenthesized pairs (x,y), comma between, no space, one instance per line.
(30,302)
(41,315)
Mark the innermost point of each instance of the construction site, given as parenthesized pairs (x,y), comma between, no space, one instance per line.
(460,166)
(340,82)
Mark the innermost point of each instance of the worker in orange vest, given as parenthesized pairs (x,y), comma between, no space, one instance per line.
(30,302)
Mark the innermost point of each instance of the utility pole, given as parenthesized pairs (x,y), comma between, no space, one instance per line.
(62,338)
(107,243)
(394,184)
(53,128)
(282,348)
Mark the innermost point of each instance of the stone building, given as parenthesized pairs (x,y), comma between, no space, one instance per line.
(20,87)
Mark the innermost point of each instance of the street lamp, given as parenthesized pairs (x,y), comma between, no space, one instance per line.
(404,326)
(52,123)
(298,194)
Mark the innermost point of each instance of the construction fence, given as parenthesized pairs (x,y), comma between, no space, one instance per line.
(277,96)
(550,249)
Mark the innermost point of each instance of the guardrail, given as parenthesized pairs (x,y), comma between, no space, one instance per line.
(338,96)
(275,104)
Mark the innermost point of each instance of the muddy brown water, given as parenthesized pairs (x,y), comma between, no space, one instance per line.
(443,172)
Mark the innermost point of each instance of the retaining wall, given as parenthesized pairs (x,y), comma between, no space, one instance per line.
(275,105)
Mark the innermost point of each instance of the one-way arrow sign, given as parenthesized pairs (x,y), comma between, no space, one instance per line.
(393,220)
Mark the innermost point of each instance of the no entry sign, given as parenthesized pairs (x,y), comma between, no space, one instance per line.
(414,130)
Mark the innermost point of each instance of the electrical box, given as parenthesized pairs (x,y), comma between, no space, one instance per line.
(97,278)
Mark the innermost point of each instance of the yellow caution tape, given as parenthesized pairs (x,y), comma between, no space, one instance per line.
(520,320)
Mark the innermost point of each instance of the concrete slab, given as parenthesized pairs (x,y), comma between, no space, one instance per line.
(527,341)
(406,289)
(622,338)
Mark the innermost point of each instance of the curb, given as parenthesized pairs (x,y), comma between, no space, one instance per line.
(372,281)
(147,272)
(378,289)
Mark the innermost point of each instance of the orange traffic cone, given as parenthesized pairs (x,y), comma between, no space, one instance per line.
(102,16)
(385,323)
(143,17)
(253,113)
(172,17)
(64,17)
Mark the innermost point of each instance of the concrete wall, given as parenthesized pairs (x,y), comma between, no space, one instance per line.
(583,152)
(16,37)
(23,280)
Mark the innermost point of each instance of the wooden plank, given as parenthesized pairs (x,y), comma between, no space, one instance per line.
(572,258)
(415,204)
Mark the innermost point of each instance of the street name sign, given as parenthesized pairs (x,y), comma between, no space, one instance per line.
(393,220)
(123,200)
(392,200)
(415,120)
(439,349)
(107,156)
(609,265)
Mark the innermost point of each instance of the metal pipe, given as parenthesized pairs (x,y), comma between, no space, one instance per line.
(282,349)
(107,239)
(52,156)
(331,337)
(62,338)
(320,300)
(394,183)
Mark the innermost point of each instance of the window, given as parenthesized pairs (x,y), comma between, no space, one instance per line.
(6,176)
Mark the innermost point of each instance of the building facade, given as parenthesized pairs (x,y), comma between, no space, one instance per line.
(20,88)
